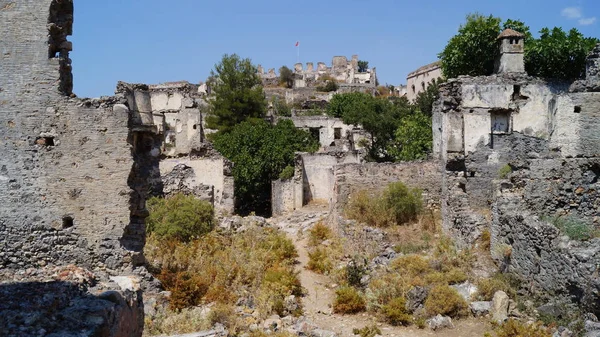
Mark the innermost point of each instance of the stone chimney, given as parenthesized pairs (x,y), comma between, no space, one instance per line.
(512,52)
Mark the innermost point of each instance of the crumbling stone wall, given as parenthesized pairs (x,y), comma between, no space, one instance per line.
(342,70)
(73,185)
(374,177)
(208,177)
(318,174)
(518,151)
(60,155)
(332,133)
(172,111)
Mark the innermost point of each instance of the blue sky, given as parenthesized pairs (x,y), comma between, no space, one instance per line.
(154,41)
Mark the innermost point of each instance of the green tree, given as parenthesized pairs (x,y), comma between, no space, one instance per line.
(237,93)
(559,55)
(260,153)
(413,138)
(181,217)
(286,77)
(473,50)
(363,66)
(425,99)
(378,116)
(555,54)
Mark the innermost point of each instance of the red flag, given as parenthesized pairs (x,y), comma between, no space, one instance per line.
(297,43)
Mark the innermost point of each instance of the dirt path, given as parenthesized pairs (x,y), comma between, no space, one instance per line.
(320,295)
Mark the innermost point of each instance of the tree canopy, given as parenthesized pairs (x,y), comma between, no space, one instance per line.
(380,117)
(286,77)
(260,153)
(425,99)
(413,138)
(473,50)
(555,54)
(237,93)
(363,66)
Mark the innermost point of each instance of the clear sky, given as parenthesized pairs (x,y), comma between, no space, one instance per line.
(154,41)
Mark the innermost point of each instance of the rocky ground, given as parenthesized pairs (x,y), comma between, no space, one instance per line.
(320,292)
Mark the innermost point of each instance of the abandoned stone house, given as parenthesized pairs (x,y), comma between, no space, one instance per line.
(418,80)
(187,162)
(518,151)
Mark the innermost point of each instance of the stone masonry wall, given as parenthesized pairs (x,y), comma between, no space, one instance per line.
(66,162)
(374,177)
(518,154)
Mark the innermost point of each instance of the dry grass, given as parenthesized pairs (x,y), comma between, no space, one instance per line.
(446,301)
(515,328)
(324,249)
(435,269)
(396,205)
(223,268)
(486,288)
(348,300)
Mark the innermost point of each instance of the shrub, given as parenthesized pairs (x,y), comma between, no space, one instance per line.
(486,239)
(575,229)
(179,217)
(397,204)
(455,276)
(287,173)
(486,288)
(348,301)
(282,108)
(411,265)
(368,209)
(444,300)
(179,322)
(368,331)
(220,267)
(383,288)
(319,261)
(318,233)
(515,328)
(410,247)
(504,171)
(404,203)
(286,77)
(395,312)
(278,283)
(330,85)
(355,270)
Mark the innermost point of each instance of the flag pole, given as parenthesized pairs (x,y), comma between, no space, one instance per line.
(298,50)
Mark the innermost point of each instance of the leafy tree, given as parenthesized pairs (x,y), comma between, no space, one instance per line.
(425,99)
(557,54)
(179,217)
(363,66)
(473,50)
(281,107)
(378,116)
(238,93)
(286,77)
(413,138)
(260,153)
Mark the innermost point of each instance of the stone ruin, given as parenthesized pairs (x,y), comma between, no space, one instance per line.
(187,162)
(73,184)
(75,179)
(342,70)
(516,152)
